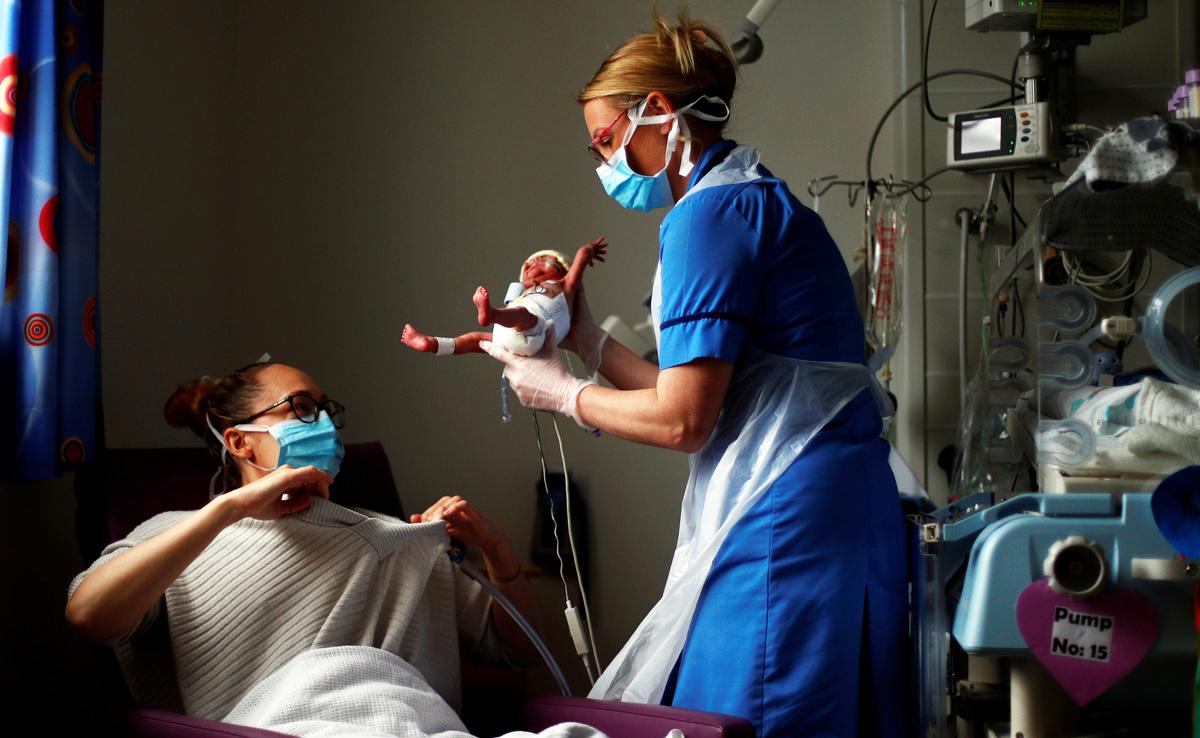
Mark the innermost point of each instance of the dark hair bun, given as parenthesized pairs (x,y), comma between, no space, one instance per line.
(186,408)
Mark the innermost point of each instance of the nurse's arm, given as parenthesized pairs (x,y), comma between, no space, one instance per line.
(625,369)
(678,412)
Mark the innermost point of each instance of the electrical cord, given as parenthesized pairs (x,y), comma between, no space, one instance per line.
(920,184)
(913,88)
(1098,284)
(1019,308)
(587,613)
(925,68)
(581,645)
(537,434)
(1002,101)
(1009,187)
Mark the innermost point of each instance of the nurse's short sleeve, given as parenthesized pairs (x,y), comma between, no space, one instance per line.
(711,278)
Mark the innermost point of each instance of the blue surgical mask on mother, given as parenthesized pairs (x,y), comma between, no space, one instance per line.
(301,444)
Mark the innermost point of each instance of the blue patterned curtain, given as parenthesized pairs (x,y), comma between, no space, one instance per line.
(49,197)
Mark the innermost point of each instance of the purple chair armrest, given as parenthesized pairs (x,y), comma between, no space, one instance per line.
(144,723)
(631,720)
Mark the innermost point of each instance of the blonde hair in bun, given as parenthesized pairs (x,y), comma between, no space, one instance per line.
(684,60)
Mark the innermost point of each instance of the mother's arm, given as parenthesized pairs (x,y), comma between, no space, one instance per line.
(466,524)
(113,599)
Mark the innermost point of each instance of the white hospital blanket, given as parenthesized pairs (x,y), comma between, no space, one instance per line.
(362,692)
(1151,427)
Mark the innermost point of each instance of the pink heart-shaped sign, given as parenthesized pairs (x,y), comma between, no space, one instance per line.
(1086,645)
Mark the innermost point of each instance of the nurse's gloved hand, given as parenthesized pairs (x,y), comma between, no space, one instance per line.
(543,381)
(586,339)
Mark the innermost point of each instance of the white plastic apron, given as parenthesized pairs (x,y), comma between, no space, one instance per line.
(774,407)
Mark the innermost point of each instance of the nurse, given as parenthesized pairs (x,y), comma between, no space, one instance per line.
(786,598)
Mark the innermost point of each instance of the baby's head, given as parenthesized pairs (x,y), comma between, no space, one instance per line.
(544,265)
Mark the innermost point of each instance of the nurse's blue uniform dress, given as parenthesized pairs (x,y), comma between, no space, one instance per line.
(801,623)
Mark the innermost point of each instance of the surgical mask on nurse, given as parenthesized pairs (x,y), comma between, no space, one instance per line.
(647,192)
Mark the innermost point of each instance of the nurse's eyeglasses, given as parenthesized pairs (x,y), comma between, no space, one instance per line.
(307,409)
(595,152)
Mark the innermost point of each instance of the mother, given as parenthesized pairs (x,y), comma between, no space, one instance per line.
(786,599)
(203,605)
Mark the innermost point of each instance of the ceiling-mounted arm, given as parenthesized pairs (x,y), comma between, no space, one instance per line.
(747,46)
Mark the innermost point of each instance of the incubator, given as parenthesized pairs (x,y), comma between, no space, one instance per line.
(1057,591)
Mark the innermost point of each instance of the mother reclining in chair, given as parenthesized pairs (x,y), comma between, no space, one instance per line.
(271,569)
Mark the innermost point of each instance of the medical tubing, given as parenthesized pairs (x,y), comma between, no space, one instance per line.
(895,103)
(537,433)
(965,217)
(517,617)
(1160,337)
(587,613)
(505,415)
(1069,443)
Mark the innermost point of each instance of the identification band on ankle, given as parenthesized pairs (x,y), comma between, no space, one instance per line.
(445,346)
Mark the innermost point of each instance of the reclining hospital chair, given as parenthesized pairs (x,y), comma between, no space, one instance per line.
(129,486)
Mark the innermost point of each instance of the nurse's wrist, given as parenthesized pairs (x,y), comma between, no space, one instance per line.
(594,358)
(576,412)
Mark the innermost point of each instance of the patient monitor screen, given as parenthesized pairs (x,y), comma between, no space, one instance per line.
(981,135)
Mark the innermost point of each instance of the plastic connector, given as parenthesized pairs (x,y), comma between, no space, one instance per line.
(575,625)
(1119,327)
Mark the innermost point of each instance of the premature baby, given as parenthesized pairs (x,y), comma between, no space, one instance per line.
(546,289)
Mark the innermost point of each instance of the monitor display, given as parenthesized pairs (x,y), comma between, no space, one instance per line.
(981,135)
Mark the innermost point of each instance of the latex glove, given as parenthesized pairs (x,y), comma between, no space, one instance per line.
(543,381)
(586,339)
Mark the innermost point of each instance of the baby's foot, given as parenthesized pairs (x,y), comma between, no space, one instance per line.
(415,339)
(481,299)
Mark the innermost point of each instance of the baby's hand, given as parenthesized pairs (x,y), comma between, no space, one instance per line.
(592,252)
(463,522)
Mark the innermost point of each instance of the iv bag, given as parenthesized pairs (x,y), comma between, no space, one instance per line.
(889,233)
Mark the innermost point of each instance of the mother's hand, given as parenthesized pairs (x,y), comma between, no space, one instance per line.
(463,522)
(264,498)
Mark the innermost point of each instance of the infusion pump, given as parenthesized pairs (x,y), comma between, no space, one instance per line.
(1011,137)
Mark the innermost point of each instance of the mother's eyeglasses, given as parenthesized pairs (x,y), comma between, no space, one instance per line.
(307,409)
(592,147)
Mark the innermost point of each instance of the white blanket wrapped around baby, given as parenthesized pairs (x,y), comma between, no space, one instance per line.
(362,692)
